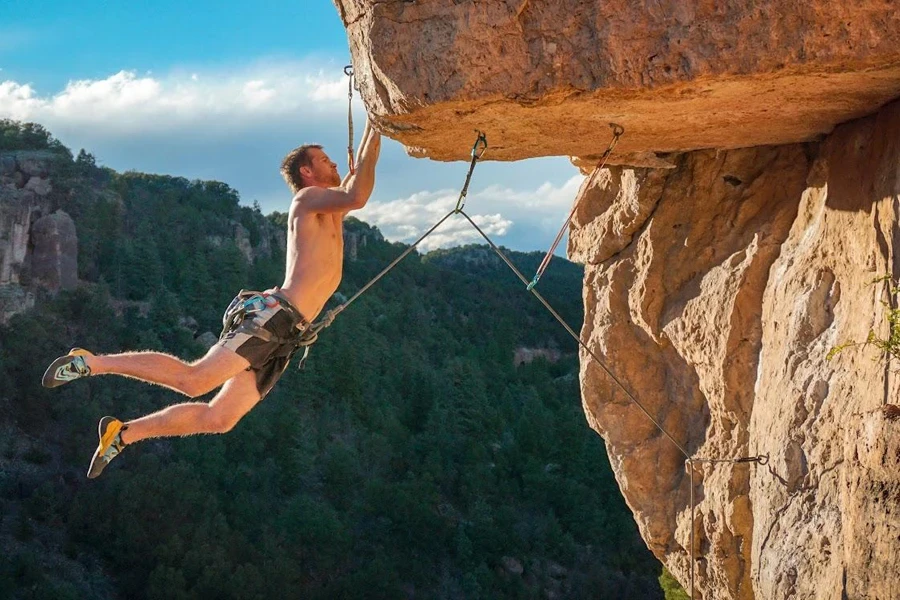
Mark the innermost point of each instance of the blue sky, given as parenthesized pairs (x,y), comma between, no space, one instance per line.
(223,90)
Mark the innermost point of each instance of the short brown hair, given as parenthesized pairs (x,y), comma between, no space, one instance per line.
(290,166)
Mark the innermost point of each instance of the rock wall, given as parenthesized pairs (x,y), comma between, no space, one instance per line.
(54,260)
(544,78)
(717,282)
(715,291)
(34,249)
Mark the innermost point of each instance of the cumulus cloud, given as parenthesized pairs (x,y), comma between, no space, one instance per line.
(498,211)
(236,125)
(127,102)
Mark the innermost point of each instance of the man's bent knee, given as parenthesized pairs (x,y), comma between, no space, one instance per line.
(194,387)
(211,371)
(219,422)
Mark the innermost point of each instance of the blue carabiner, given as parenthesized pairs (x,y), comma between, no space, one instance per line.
(254,304)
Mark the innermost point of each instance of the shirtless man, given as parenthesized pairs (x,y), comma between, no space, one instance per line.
(256,347)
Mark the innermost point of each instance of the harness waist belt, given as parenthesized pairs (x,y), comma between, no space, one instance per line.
(296,315)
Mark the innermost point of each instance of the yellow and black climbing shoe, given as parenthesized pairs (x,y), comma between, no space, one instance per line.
(67,368)
(111,444)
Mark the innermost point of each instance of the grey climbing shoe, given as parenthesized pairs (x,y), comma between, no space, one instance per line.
(67,368)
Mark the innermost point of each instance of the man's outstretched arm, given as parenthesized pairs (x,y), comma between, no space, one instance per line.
(367,132)
(356,189)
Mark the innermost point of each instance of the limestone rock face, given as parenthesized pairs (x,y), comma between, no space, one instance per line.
(714,291)
(242,239)
(544,77)
(24,197)
(35,163)
(39,186)
(16,208)
(54,264)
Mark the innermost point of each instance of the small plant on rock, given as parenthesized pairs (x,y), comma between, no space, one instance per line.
(889,347)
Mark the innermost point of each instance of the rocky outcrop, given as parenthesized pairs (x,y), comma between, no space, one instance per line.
(35,250)
(242,239)
(834,516)
(544,78)
(269,237)
(24,191)
(16,208)
(356,236)
(524,356)
(715,291)
(54,261)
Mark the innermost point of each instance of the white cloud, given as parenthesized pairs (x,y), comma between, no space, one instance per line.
(406,219)
(496,210)
(236,125)
(127,102)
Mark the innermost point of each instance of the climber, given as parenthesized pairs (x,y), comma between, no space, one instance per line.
(261,330)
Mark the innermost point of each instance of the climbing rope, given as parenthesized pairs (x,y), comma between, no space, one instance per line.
(574,335)
(762,460)
(478,150)
(327,319)
(351,166)
(617,133)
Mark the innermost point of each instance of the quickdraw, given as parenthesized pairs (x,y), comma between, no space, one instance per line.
(351,165)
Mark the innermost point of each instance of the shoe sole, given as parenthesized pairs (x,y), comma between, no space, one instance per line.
(49,379)
(106,437)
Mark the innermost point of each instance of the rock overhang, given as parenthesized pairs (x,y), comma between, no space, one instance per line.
(544,78)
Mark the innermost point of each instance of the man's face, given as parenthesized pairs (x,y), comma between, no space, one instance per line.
(322,171)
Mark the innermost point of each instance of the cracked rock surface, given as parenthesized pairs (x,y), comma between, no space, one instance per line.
(715,291)
(544,78)
(753,199)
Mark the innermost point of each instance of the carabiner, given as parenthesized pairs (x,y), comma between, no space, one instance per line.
(482,140)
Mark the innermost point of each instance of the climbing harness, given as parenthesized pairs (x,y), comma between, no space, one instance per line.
(351,166)
(248,302)
(617,133)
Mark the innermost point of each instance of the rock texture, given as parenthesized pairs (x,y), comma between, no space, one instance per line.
(544,78)
(524,356)
(35,250)
(756,198)
(54,262)
(714,291)
(16,208)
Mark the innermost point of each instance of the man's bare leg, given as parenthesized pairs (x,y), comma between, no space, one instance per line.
(220,415)
(191,379)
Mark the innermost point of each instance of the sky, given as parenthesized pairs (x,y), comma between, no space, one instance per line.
(224,90)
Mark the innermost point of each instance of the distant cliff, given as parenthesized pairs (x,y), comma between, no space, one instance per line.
(38,242)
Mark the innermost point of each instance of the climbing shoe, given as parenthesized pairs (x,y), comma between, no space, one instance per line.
(67,368)
(111,444)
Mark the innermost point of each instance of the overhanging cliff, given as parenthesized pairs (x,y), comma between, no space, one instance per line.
(544,78)
(714,287)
